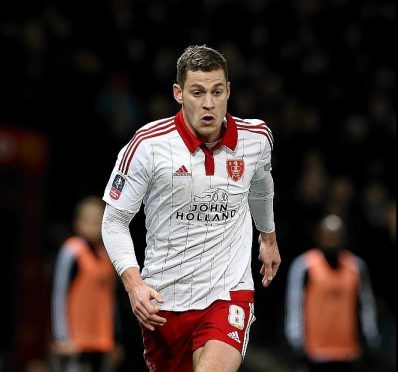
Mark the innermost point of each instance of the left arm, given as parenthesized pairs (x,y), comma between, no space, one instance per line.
(269,256)
(261,204)
(368,316)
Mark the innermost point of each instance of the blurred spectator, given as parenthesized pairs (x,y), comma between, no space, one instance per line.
(328,294)
(83,297)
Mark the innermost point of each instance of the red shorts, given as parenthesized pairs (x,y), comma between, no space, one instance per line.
(170,348)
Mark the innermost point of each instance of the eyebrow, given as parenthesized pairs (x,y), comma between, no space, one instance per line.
(201,86)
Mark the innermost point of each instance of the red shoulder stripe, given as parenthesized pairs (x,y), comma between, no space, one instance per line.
(263,125)
(142,132)
(124,166)
(260,129)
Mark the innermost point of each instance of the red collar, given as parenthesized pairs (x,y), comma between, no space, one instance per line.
(229,136)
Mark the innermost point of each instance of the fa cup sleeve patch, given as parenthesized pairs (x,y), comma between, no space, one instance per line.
(117,187)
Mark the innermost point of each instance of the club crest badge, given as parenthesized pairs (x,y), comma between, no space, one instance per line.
(235,169)
(117,187)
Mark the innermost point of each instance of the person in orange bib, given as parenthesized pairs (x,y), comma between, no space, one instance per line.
(83,294)
(330,306)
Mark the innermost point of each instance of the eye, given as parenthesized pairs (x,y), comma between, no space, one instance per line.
(196,93)
(218,92)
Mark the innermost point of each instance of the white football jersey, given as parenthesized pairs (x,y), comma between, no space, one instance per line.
(199,227)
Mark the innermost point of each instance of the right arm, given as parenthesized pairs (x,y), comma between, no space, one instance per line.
(64,269)
(120,248)
(123,195)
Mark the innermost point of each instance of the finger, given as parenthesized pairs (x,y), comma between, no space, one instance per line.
(148,316)
(150,308)
(157,297)
(268,273)
(150,323)
(142,313)
(157,320)
(157,323)
(275,269)
(266,281)
(147,325)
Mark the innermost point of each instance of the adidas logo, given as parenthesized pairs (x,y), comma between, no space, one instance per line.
(182,171)
(235,336)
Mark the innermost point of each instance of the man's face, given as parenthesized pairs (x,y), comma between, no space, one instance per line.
(330,240)
(204,102)
(88,223)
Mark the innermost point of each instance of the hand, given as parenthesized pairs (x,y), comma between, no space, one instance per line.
(65,348)
(269,256)
(141,303)
(141,299)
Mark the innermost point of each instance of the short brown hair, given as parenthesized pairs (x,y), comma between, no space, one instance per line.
(199,58)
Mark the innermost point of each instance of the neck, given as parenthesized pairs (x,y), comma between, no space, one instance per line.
(210,145)
(332,257)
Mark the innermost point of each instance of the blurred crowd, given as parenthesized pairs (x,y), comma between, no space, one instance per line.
(87,74)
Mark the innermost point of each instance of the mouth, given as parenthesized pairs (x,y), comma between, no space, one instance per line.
(207,119)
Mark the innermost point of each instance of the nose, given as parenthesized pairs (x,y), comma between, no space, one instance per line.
(208,102)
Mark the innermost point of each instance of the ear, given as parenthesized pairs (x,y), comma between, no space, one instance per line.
(177,92)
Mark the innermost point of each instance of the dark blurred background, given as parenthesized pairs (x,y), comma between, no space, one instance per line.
(77,78)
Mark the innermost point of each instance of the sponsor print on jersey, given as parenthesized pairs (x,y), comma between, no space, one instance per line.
(117,187)
(207,207)
(235,169)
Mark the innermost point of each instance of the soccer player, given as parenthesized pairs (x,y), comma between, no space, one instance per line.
(201,174)
(328,295)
